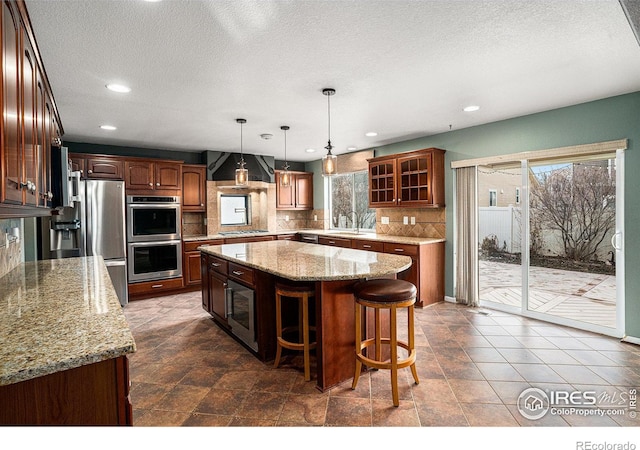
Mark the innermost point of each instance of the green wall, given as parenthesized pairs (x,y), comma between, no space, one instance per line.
(602,120)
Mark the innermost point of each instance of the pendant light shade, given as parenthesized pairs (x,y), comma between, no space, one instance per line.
(242,174)
(329,161)
(285,175)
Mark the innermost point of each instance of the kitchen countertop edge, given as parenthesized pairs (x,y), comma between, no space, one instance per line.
(327,233)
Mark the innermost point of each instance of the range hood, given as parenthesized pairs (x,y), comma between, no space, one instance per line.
(221,166)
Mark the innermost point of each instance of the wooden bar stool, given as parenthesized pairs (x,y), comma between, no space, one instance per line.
(385,294)
(302,293)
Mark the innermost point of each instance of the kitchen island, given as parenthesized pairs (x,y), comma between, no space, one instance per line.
(332,270)
(65,340)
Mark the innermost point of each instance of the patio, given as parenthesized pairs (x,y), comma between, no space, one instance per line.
(586,297)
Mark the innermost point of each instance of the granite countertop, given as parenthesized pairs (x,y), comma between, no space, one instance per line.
(57,315)
(301,261)
(330,233)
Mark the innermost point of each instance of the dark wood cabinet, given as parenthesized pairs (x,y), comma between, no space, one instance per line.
(287,237)
(334,241)
(191,272)
(371,246)
(149,175)
(216,270)
(95,394)
(104,168)
(412,179)
(298,195)
(28,112)
(194,188)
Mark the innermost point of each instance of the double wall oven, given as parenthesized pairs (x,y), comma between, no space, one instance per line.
(153,237)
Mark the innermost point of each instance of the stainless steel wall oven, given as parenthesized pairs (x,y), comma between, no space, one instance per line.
(154,260)
(153,238)
(153,218)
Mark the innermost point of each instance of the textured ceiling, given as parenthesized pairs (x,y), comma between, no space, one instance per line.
(404,69)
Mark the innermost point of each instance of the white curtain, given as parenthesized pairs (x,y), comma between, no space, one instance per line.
(466,237)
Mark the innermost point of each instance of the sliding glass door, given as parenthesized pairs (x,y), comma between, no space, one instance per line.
(550,240)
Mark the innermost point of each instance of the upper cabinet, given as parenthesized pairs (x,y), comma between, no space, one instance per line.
(299,193)
(411,180)
(97,167)
(149,175)
(194,188)
(30,120)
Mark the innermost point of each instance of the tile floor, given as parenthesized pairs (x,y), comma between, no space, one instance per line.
(472,368)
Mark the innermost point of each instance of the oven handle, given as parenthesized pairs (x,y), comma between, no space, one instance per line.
(154,243)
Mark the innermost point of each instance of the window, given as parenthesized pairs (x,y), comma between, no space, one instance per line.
(493,197)
(349,194)
(517,196)
(235,209)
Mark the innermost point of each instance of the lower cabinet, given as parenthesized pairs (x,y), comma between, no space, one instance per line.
(94,394)
(256,292)
(153,288)
(191,261)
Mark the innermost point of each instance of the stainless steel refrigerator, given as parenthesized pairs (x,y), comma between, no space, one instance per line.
(95,225)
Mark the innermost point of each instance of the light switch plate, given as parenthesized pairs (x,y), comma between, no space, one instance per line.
(384,220)
(286,218)
(413,221)
(405,220)
(315,217)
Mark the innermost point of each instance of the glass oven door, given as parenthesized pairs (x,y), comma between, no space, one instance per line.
(154,260)
(153,222)
(240,313)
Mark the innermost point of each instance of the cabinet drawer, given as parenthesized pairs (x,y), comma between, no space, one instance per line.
(372,246)
(335,242)
(401,249)
(241,273)
(192,246)
(155,286)
(218,264)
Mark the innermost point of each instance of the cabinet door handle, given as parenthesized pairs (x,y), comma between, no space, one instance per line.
(332,242)
(157,184)
(156,286)
(238,273)
(89,171)
(366,246)
(398,249)
(151,184)
(215,264)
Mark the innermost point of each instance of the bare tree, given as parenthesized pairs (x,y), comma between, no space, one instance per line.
(579,202)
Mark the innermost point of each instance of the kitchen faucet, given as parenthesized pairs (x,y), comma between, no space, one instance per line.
(357,221)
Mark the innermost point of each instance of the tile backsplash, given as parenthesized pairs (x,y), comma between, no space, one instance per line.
(430,223)
(11,253)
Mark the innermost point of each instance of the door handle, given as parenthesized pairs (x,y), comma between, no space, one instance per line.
(614,240)
(228,294)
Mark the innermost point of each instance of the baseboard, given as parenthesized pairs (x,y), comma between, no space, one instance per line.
(450,299)
(631,340)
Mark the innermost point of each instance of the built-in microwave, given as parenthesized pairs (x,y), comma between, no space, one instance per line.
(153,218)
(154,260)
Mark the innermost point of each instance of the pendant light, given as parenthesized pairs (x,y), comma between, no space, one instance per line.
(242,174)
(329,161)
(285,176)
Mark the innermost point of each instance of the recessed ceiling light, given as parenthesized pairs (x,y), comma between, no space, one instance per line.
(352,148)
(471,108)
(310,150)
(371,134)
(118,88)
(108,127)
